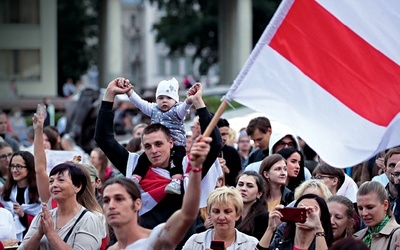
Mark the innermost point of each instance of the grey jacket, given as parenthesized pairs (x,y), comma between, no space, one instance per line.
(198,241)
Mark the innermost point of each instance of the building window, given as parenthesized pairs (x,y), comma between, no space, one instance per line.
(175,66)
(19,11)
(161,66)
(133,21)
(20,64)
(189,65)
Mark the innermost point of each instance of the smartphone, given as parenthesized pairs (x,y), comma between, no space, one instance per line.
(217,245)
(293,214)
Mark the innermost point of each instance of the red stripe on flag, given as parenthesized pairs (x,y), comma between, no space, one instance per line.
(154,184)
(340,61)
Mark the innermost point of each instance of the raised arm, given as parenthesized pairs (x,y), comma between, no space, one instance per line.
(273,223)
(42,178)
(205,119)
(104,134)
(141,104)
(178,224)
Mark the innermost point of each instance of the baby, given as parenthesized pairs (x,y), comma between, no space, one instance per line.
(171,113)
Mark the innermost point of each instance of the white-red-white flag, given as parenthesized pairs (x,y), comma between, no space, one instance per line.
(329,70)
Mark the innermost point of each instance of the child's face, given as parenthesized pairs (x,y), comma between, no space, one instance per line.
(165,103)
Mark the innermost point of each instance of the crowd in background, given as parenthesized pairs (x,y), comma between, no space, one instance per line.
(247,176)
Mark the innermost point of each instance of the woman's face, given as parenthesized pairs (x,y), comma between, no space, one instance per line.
(224,216)
(18,168)
(339,220)
(277,173)
(248,188)
(371,210)
(95,159)
(61,186)
(293,165)
(46,142)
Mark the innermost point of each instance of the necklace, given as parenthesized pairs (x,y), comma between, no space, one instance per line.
(57,228)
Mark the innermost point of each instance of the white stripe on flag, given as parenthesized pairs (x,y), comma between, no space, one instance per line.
(272,85)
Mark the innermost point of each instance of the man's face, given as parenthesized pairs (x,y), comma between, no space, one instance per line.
(3,124)
(244,143)
(119,206)
(390,165)
(157,148)
(285,142)
(396,174)
(224,134)
(260,139)
(5,156)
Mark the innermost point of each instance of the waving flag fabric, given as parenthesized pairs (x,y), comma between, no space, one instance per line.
(156,179)
(331,71)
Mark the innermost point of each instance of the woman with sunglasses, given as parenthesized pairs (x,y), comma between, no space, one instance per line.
(20,195)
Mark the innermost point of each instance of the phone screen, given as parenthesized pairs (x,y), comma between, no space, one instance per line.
(293,214)
(217,245)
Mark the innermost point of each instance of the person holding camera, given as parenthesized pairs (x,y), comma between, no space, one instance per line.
(314,233)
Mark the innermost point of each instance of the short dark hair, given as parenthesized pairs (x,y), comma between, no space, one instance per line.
(261,123)
(327,169)
(392,151)
(222,123)
(152,128)
(130,186)
(77,175)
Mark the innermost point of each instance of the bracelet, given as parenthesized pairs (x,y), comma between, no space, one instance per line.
(194,170)
(318,234)
(197,170)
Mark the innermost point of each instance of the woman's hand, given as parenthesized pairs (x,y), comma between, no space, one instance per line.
(77,159)
(46,220)
(313,220)
(224,168)
(275,217)
(39,117)
(18,210)
(9,242)
(208,223)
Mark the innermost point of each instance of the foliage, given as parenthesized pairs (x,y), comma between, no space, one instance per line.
(213,103)
(194,24)
(190,24)
(77,25)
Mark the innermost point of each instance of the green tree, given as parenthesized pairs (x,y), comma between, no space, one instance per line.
(77,26)
(194,24)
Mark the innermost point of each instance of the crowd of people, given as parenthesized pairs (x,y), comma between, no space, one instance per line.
(258,188)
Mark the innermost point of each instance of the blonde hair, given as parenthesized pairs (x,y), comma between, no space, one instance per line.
(369,187)
(88,199)
(224,195)
(312,184)
(231,137)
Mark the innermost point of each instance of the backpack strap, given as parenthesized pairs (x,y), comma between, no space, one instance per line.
(76,222)
(390,238)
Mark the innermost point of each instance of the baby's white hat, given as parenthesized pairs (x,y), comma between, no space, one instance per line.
(169,88)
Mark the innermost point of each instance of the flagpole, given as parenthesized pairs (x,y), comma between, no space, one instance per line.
(215,119)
